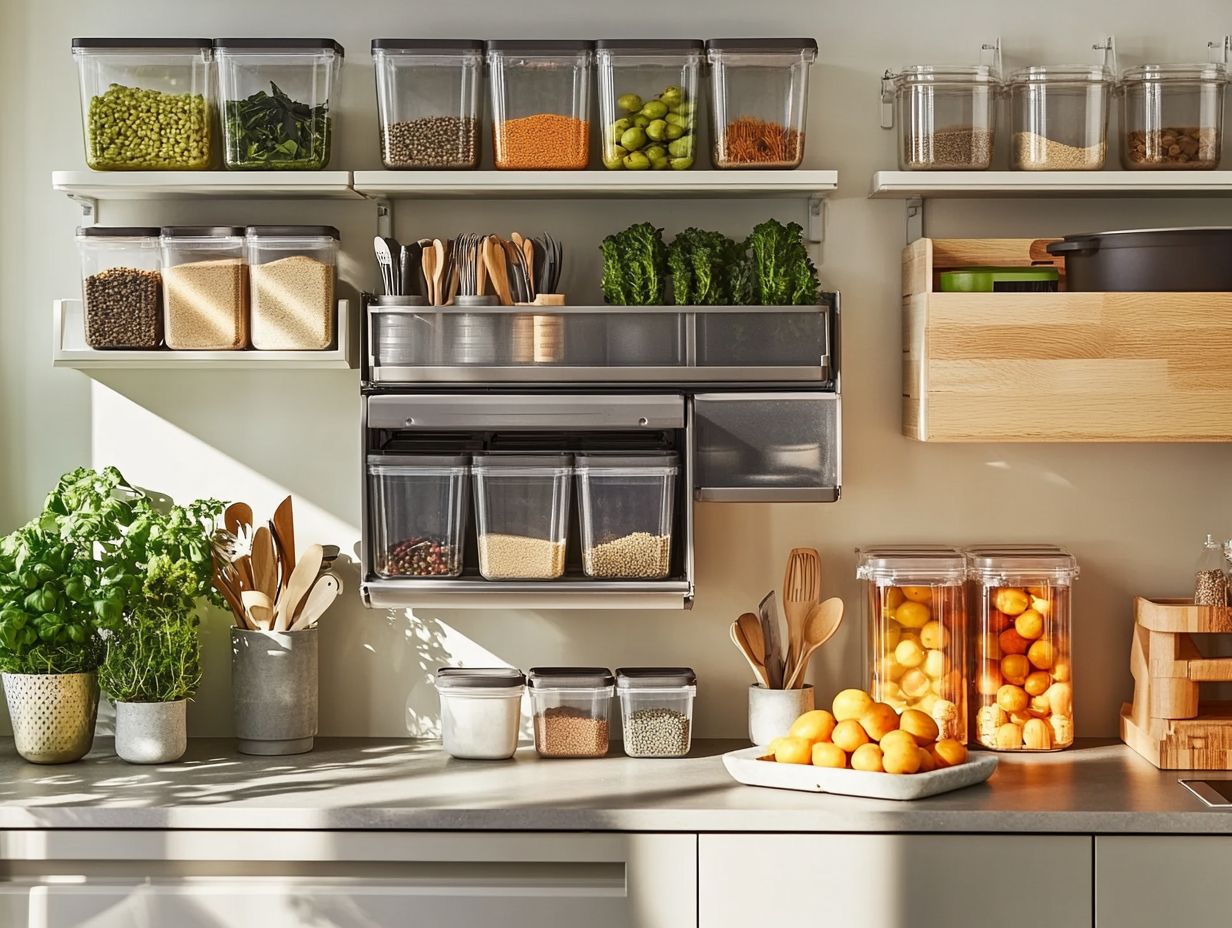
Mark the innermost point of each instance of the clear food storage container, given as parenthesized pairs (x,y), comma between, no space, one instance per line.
(540,104)
(1060,118)
(427,97)
(1024,685)
(276,96)
(481,711)
(121,286)
(418,513)
(917,630)
(205,287)
(291,286)
(522,514)
(656,710)
(759,101)
(648,102)
(627,502)
(572,706)
(947,117)
(1172,116)
(146,104)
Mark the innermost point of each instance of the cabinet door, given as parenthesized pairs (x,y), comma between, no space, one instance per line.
(895,881)
(1145,882)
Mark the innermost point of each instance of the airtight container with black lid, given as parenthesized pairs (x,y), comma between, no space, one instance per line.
(572,706)
(121,286)
(205,288)
(656,710)
(481,711)
(291,272)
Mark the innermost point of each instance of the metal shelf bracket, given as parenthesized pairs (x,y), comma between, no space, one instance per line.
(89,209)
(384,217)
(915,218)
(816,218)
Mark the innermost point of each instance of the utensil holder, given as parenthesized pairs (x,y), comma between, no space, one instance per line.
(274,690)
(53,715)
(474,334)
(771,712)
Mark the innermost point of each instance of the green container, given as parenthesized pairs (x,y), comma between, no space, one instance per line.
(1001,280)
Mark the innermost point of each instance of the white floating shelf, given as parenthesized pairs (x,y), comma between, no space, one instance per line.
(593,183)
(905,185)
(165,185)
(69,349)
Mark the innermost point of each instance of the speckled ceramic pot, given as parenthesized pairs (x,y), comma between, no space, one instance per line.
(53,715)
(274,690)
(771,712)
(151,732)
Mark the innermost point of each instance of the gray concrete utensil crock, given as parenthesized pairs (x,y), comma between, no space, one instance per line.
(274,690)
(771,712)
(53,715)
(151,732)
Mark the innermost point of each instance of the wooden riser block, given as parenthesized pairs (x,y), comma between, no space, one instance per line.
(1196,744)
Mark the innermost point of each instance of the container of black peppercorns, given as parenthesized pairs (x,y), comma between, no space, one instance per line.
(417,511)
(428,101)
(121,286)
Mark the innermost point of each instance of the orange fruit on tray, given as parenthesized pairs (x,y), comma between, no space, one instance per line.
(826,754)
(867,757)
(878,720)
(849,735)
(815,725)
(793,751)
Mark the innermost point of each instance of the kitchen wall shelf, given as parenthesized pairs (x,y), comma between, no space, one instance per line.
(1058,367)
(915,187)
(70,350)
(565,593)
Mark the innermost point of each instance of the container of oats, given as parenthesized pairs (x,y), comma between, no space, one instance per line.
(627,504)
(291,286)
(1060,117)
(121,286)
(946,116)
(572,707)
(205,288)
(522,514)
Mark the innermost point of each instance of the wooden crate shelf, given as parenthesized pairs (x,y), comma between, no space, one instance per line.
(1058,367)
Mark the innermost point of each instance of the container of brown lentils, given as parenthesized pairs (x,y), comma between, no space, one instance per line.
(572,707)
(428,99)
(656,709)
(1172,117)
(121,286)
(418,512)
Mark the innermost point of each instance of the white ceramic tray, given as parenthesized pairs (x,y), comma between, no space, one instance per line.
(746,767)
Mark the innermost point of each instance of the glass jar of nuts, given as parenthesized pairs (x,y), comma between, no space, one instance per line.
(1024,685)
(917,631)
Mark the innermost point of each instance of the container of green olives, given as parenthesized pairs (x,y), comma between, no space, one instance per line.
(648,103)
(147,104)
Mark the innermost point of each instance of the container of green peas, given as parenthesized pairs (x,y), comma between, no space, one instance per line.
(648,103)
(147,104)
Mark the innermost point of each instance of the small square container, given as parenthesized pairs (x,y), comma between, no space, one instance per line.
(1024,686)
(1060,117)
(656,710)
(759,101)
(627,503)
(572,708)
(947,117)
(1172,117)
(481,711)
(522,514)
(291,286)
(540,104)
(418,513)
(276,97)
(427,97)
(146,104)
(648,102)
(121,286)
(917,630)
(205,288)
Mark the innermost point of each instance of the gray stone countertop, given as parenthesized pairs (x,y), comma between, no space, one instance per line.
(371,784)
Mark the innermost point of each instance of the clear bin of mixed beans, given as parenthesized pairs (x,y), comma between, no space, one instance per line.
(917,630)
(1024,668)
(648,102)
(540,104)
(418,504)
(427,94)
(572,708)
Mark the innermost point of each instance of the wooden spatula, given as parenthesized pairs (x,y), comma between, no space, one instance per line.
(822,622)
(264,563)
(319,598)
(260,608)
(302,578)
(801,591)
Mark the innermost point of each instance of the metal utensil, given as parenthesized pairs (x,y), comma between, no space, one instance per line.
(319,598)
(768,613)
(302,578)
(742,646)
(822,622)
(801,591)
(395,264)
(385,262)
(408,268)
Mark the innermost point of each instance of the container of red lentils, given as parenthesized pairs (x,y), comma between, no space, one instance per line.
(540,104)
(572,706)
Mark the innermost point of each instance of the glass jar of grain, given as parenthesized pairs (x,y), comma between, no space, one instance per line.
(1060,117)
(205,288)
(291,286)
(947,117)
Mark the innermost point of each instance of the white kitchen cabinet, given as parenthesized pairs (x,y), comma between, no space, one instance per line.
(66,879)
(1147,881)
(895,881)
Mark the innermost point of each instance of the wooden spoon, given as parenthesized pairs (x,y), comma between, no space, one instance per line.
(233,601)
(264,563)
(498,272)
(428,262)
(236,517)
(759,671)
(319,598)
(259,607)
(823,621)
(750,627)
(801,591)
(439,266)
(302,578)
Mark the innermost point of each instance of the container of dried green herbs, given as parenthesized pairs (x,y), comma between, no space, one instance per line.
(276,97)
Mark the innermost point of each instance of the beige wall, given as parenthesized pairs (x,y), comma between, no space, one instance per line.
(1134,514)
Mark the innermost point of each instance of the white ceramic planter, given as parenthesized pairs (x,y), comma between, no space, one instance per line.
(53,715)
(771,712)
(151,732)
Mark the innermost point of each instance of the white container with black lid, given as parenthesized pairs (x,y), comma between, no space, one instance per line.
(481,711)
(656,710)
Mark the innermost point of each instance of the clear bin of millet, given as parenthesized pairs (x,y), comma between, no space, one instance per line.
(540,104)
(759,101)
(1172,117)
(946,116)
(656,710)
(1024,669)
(522,514)
(205,288)
(572,707)
(418,513)
(1060,118)
(121,286)
(627,504)
(427,94)
(291,286)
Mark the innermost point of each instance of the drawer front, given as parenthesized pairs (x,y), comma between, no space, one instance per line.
(767,447)
(1144,881)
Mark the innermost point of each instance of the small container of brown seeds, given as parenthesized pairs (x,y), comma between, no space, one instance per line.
(121,285)
(572,707)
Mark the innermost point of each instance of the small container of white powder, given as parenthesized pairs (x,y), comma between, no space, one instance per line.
(481,711)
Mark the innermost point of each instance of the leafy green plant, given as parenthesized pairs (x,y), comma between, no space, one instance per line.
(707,268)
(634,266)
(782,272)
(272,130)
